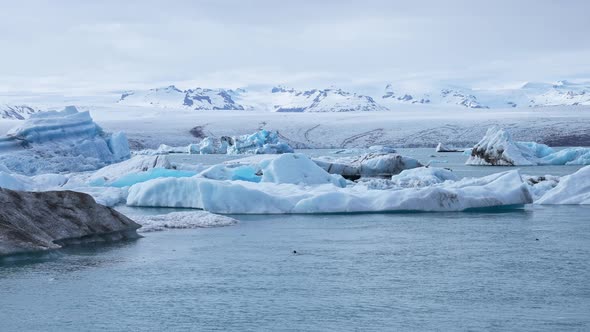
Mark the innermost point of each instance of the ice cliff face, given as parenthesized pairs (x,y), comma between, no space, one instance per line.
(16,112)
(53,142)
(38,221)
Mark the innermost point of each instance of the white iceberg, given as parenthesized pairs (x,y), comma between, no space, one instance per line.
(571,189)
(370,149)
(442,148)
(423,177)
(497,148)
(297,168)
(294,168)
(65,141)
(181,220)
(242,197)
(367,165)
(140,169)
(39,182)
(540,185)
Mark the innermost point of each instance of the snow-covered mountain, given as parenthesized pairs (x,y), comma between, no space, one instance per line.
(16,112)
(172,97)
(562,93)
(326,100)
(445,96)
(277,99)
(282,99)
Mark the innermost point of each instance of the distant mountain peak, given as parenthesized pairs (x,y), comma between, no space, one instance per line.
(16,112)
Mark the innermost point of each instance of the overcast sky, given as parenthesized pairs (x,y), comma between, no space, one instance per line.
(107,45)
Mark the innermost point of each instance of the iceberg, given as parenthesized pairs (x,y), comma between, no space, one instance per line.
(540,185)
(242,197)
(367,165)
(297,168)
(39,182)
(571,189)
(60,141)
(423,177)
(370,149)
(294,168)
(497,148)
(441,148)
(140,168)
(260,142)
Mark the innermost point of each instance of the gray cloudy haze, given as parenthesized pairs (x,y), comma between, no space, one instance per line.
(107,45)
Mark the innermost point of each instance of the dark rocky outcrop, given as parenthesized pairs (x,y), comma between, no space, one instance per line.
(38,221)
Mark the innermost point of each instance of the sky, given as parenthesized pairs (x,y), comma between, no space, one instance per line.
(62,45)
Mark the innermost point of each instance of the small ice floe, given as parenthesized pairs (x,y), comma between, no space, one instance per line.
(182,220)
(442,148)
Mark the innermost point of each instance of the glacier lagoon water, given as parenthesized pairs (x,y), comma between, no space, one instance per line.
(524,270)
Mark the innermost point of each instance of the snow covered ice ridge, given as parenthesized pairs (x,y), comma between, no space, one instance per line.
(497,148)
(61,141)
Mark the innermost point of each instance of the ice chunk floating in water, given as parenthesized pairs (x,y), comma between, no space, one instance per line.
(571,189)
(53,142)
(186,219)
(498,148)
(502,189)
(367,165)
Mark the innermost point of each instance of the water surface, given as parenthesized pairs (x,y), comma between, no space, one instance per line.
(525,270)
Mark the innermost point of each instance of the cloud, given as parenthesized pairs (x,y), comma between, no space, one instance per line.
(69,45)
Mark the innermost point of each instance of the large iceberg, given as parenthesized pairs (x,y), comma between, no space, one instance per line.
(60,141)
(497,148)
(571,189)
(243,197)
